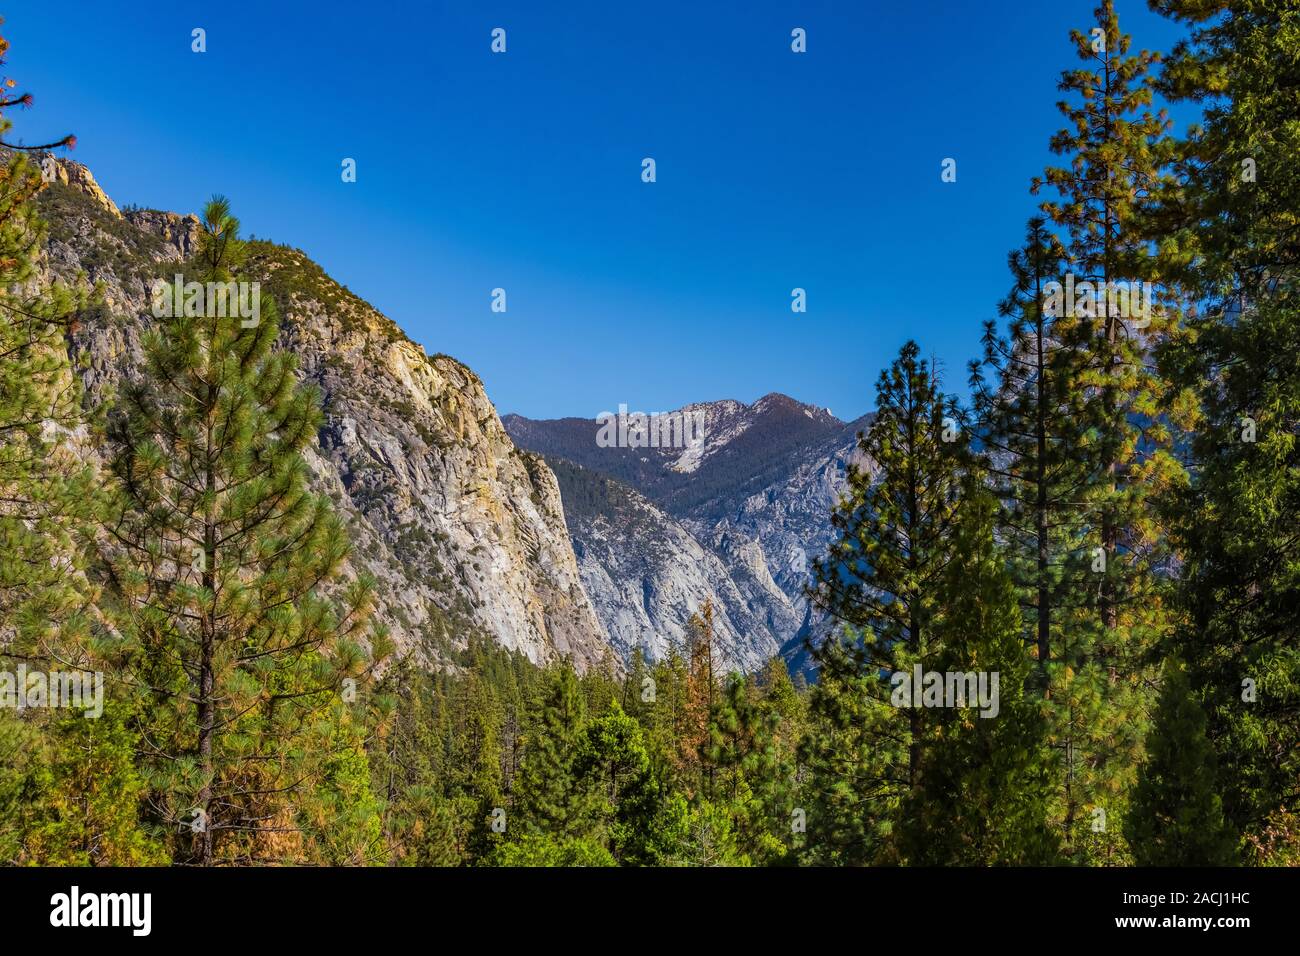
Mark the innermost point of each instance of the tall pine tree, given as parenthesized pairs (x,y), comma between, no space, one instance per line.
(986,780)
(879,582)
(216,565)
(1118,311)
(551,798)
(1034,424)
(1231,234)
(69,792)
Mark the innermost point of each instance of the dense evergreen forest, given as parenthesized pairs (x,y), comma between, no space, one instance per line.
(1108,526)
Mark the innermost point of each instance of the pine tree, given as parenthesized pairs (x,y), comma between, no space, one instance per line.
(443,760)
(894,526)
(217,560)
(1229,220)
(752,781)
(612,770)
(1119,155)
(89,809)
(665,720)
(408,761)
(474,761)
(69,793)
(693,833)
(551,798)
(700,693)
(1231,233)
(784,697)
(1034,422)
(1177,815)
(46,490)
(342,817)
(986,781)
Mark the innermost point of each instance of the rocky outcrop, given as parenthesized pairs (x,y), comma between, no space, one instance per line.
(178,232)
(463,532)
(647,574)
(76,176)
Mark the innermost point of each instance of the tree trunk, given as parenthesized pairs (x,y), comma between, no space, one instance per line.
(207,703)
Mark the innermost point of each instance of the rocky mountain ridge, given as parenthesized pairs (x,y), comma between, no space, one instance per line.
(737,519)
(463,531)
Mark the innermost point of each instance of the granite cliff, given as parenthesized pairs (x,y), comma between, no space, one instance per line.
(463,531)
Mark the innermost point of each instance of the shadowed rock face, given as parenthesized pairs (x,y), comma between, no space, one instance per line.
(737,519)
(646,573)
(463,532)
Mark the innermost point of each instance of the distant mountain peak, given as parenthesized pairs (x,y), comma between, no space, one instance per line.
(777,400)
(737,519)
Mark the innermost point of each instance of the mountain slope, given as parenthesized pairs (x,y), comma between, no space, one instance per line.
(755,496)
(742,448)
(647,573)
(463,531)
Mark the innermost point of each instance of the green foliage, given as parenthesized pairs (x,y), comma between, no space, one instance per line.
(204,576)
(694,833)
(986,778)
(47,490)
(1229,229)
(578,769)
(1177,815)
(550,796)
(588,494)
(117,247)
(539,849)
(294,279)
(755,779)
(613,773)
(342,815)
(214,569)
(70,793)
(1115,409)
(895,536)
(1034,425)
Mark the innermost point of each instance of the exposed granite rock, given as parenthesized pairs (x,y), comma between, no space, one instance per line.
(78,177)
(737,518)
(179,232)
(463,533)
(647,575)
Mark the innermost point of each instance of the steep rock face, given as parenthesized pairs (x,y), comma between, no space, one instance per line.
(754,496)
(78,177)
(789,516)
(647,575)
(176,231)
(463,532)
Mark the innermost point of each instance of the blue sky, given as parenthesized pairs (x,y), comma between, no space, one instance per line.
(523,171)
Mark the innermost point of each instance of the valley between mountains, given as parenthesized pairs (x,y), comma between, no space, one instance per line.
(523,532)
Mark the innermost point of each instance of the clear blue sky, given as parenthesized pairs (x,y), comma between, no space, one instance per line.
(522,170)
